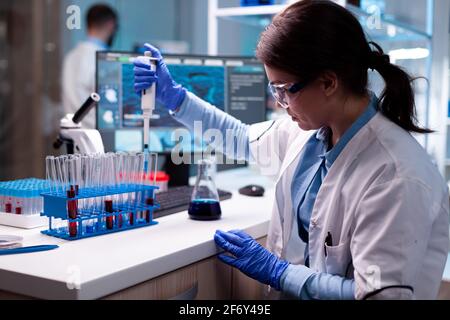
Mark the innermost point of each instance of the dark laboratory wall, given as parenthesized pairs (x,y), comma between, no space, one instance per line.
(29,85)
(354,2)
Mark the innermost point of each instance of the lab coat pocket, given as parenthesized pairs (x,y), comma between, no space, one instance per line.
(338,259)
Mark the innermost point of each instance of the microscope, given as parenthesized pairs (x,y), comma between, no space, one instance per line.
(77,139)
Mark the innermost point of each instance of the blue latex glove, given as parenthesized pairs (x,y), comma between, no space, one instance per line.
(250,257)
(168,92)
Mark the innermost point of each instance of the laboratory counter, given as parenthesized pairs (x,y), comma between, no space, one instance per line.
(173,259)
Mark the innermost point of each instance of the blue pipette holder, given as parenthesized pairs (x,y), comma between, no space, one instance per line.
(91,222)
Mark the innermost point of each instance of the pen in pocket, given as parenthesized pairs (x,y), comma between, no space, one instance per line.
(328,242)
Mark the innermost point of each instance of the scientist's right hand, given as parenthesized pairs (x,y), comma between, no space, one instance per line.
(168,92)
(250,257)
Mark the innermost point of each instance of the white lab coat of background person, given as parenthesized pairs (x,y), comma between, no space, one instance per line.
(78,79)
(383,201)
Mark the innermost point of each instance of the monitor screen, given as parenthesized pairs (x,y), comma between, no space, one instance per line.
(236,85)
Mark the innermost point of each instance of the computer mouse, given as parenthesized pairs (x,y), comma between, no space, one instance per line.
(252,190)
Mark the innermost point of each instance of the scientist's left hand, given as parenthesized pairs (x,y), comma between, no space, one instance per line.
(250,257)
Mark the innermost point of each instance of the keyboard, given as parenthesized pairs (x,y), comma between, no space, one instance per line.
(177,199)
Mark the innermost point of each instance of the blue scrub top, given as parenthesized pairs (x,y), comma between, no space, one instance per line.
(98,43)
(314,164)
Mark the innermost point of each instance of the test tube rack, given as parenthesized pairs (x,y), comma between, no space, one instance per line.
(21,203)
(91,222)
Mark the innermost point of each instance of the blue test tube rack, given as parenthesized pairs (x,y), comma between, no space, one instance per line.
(56,207)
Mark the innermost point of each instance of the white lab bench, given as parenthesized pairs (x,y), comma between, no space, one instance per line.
(174,259)
(144,259)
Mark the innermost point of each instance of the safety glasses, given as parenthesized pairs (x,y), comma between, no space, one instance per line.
(283,92)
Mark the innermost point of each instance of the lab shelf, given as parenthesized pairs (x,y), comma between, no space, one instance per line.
(250,11)
(390,29)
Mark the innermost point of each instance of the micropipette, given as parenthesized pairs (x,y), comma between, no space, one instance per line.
(148,102)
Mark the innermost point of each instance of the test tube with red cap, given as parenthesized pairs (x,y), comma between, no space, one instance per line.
(72,211)
(8,205)
(18,207)
(109,219)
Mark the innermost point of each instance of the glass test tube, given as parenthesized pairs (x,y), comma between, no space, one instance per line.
(108,181)
(72,211)
(119,166)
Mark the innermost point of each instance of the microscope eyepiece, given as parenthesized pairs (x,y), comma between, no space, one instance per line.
(86,107)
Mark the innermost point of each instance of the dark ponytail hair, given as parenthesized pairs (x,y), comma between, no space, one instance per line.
(313,36)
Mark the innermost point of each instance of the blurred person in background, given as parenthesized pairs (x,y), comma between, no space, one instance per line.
(78,77)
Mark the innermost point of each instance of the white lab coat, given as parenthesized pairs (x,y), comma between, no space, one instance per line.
(383,201)
(78,79)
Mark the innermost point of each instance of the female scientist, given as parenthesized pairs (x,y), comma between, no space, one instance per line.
(361,212)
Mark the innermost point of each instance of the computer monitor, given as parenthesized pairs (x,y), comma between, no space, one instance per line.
(236,85)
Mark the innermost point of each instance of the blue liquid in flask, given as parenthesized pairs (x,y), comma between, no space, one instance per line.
(204,209)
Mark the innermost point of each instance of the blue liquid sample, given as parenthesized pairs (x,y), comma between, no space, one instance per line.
(146,155)
(204,209)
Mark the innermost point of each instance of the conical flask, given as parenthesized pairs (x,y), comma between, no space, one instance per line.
(205,204)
